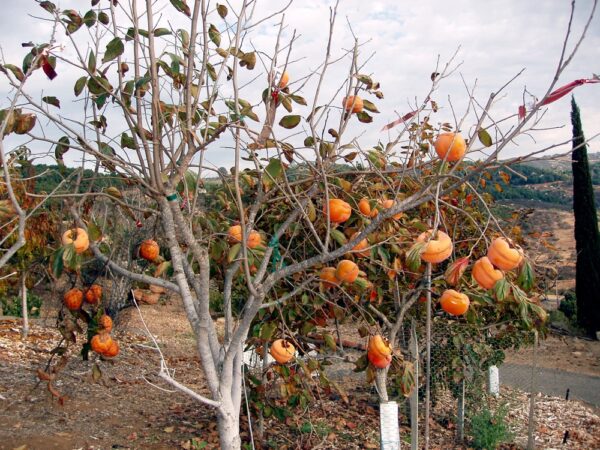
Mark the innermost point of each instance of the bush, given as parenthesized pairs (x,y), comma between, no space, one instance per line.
(489,430)
(569,306)
(12,306)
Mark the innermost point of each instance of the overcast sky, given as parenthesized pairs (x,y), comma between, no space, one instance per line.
(498,38)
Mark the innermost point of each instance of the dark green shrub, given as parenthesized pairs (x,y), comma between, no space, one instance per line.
(11,306)
(569,306)
(489,430)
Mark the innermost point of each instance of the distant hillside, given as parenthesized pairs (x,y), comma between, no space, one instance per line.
(48,177)
(546,180)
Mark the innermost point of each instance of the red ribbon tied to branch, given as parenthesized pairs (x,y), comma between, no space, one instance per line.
(560,92)
(404,118)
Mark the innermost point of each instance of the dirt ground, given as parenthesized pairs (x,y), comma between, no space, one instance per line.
(129,407)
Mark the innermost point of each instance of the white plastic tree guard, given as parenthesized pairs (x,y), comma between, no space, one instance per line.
(493,381)
(390,431)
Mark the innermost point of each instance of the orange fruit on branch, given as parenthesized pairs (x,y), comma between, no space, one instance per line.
(254,239)
(285,79)
(73,299)
(387,204)
(101,342)
(362,248)
(93,294)
(504,254)
(112,350)
(339,210)
(105,323)
(437,249)
(454,303)
(379,362)
(78,237)
(450,146)
(282,351)
(346,271)
(379,346)
(149,250)
(328,278)
(365,208)
(485,274)
(353,104)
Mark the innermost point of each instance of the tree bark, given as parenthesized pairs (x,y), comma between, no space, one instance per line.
(228,424)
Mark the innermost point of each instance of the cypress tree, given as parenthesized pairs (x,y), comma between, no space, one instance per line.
(587,236)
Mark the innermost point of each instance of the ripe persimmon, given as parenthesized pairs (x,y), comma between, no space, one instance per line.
(346,271)
(505,255)
(328,278)
(454,303)
(282,351)
(450,146)
(284,80)
(436,250)
(353,104)
(93,294)
(339,210)
(78,237)
(485,274)
(149,250)
(73,299)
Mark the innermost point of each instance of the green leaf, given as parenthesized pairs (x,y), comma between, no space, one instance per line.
(96,373)
(248,60)
(364,117)
(127,141)
(273,171)
(413,256)
(79,85)
(48,6)
(90,18)
(338,236)
(484,137)
(18,73)
(181,6)
(162,32)
(103,18)
(94,232)
(298,99)
(27,61)
(526,276)
(290,121)
(57,262)
(501,289)
(222,10)
(61,148)
(51,101)
(369,106)
(114,49)
(214,35)
(233,252)
(267,330)
(92,63)
(309,141)
(329,341)
(130,36)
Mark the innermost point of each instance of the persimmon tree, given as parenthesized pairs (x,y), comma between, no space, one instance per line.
(270,237)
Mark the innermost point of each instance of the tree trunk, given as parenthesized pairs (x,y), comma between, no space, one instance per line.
(228,422)
(24,312)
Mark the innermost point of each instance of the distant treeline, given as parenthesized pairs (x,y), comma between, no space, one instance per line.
(48,177)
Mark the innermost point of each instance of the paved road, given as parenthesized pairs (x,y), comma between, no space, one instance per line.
(553,382)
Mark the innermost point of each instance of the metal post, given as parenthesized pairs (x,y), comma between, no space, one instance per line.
(460,415)
(531,427)
(428,362)
(414,396)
